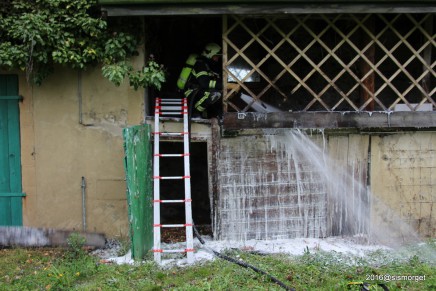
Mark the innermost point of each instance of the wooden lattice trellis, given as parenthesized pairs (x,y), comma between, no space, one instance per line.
(342,62)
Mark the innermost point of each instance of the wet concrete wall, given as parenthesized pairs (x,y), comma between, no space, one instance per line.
(267,191)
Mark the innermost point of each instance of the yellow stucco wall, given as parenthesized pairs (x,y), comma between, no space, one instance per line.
(57,150)
(403,184)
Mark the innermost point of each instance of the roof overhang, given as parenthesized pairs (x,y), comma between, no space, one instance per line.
(253,7)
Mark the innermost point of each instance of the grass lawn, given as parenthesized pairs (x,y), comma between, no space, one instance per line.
(73,269)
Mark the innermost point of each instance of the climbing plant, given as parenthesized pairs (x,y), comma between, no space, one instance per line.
(38,34)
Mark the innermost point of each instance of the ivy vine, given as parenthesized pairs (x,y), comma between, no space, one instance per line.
(38,34)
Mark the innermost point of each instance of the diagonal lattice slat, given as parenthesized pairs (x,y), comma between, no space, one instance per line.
(331,62)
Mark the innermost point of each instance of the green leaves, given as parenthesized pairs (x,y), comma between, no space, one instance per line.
(13,55)
(38,34)
(116,72)
(119,47)
(152,75)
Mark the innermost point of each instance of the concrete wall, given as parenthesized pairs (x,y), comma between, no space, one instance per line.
(71,127)
(403,168)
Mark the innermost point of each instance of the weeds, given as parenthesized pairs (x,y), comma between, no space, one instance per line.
(75,243)
(56,269)
(124,245)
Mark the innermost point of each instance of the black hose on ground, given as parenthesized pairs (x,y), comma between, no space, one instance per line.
(197,234)
(241,263)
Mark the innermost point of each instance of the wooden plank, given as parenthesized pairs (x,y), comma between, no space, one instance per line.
(226,31)
(358,154)
(139,188)
(268,9)
(4,160)
(5,211)
(337,224)
(348,198)
(43,237)
(369,81)
(14,146)
(425,82)
(358,120)
(17,211)
(182,2)
(213,166)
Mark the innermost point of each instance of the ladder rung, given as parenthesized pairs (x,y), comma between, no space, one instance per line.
(171,225)
(171,177)
(169,100)
(173,201)
(170,133)
(171,155)
(171,113)
(180,107)
(173,251)
(174,102)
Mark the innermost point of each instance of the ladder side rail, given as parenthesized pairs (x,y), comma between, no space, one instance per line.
(188,204)
(156,189)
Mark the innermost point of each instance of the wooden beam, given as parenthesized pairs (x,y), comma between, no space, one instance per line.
(258,9)
(428,26)
(329,120)
(213,157)
(369,82)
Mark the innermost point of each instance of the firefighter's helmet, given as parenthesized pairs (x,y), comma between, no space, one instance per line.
(211,49)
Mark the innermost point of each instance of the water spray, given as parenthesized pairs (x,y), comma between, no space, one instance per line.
(218,254)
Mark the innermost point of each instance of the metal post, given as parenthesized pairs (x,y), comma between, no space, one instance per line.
(84,203)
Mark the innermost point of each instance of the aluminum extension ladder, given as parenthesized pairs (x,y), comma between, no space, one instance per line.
(173,108)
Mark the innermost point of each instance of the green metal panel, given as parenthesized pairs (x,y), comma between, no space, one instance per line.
(10,161)
(137,164)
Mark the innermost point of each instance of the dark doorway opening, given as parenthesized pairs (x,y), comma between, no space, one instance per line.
(172,39)
(174,213)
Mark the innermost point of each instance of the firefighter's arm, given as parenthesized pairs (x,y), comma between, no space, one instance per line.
(207,82)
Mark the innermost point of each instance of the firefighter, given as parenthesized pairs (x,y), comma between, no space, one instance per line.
(200,80)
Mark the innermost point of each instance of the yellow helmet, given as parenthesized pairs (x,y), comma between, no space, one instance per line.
(211,49)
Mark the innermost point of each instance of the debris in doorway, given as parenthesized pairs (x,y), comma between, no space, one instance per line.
(259,106)
(174,235)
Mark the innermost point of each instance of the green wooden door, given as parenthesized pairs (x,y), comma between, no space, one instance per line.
(10,162)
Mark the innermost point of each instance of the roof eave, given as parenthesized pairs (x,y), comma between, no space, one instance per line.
(263,9)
